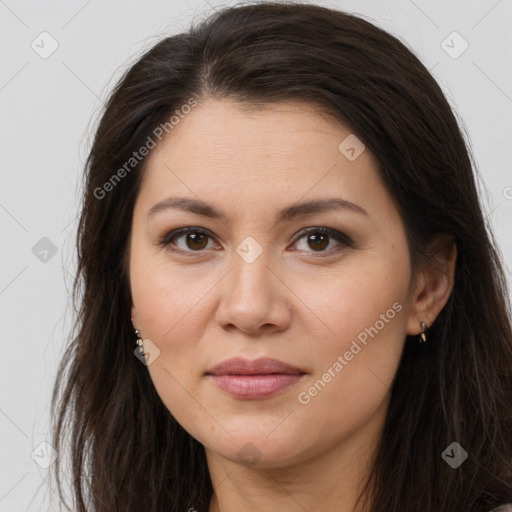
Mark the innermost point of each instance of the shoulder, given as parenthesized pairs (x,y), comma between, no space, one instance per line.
(503,508)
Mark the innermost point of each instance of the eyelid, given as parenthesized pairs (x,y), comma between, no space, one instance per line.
(340,237)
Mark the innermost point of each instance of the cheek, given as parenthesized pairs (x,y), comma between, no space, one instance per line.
(162,292)
(364,290)
(168,306)
(364,306)
(171,314)
(356,363)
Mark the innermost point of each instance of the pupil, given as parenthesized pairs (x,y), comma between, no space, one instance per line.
(193,238)
(319,244)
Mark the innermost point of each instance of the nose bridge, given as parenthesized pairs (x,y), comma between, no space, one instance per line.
(250,273)
(253,296)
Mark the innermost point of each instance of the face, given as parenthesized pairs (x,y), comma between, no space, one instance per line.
(324,291)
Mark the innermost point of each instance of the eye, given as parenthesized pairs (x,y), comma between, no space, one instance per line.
(318,238)
(194,240)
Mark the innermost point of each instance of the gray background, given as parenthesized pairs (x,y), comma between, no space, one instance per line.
(49,107)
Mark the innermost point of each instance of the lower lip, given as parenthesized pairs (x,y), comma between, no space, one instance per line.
(255,386)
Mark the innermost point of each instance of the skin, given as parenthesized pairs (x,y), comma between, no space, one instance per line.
(294,302)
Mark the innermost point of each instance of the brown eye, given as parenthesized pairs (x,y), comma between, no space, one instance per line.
(186,240)
(196,240)
(319,239)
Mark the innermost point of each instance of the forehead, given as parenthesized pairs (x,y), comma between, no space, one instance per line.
(217,128)
(221,139)
(279,153)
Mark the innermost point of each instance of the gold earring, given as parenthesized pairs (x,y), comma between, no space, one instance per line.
(423,336)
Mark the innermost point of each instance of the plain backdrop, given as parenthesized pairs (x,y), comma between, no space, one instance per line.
(60,60)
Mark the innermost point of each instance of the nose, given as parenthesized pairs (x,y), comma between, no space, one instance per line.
(254,298)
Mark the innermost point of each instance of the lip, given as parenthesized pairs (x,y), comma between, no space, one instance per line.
(261,366)
(260,378)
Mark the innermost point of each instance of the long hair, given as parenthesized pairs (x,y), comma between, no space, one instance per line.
(127,452)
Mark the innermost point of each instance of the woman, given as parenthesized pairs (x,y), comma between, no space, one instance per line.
(281,222)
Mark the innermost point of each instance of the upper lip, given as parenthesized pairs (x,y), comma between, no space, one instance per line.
(264,365)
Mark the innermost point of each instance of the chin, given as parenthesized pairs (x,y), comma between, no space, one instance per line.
(259,450)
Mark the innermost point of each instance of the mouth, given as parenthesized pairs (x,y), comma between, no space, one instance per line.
(261,378)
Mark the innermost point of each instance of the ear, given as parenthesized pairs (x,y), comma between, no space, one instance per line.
(433,284)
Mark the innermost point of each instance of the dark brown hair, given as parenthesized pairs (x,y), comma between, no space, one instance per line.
(127,452)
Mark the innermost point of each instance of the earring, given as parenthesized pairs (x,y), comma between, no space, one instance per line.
(139,342)
(139,339)
(423,336)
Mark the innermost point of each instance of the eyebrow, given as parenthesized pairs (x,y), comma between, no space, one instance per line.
(288,213)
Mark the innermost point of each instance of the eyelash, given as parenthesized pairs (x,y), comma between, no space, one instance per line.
(343,239)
